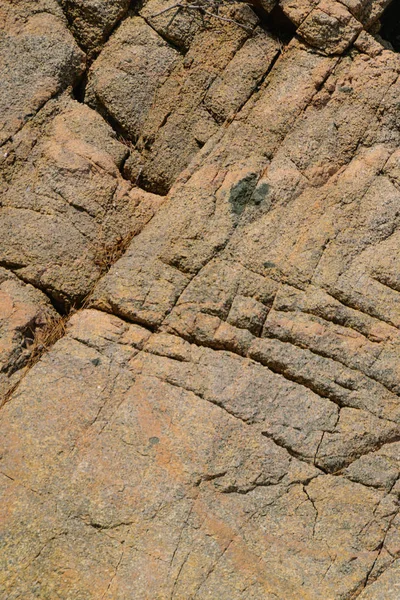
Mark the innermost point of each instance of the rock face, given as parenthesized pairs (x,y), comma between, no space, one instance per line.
(213,207)
(170,99)
(39,58)
(92,21)
(22,310)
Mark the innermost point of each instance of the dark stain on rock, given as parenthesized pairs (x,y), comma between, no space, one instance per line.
(241,193)
(260,193)
(246,192)
(269,264)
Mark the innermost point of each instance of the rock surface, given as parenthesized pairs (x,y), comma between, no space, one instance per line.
(92,21)
(38,57)
(168,95)
(217,200)
(65,205)
(23,309)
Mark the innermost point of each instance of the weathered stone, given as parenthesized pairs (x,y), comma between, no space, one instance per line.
(164,479)
(65,206)
(224,420)
(330,27)
(93,20)
(165,101)
(178,26)
(387,586)
(22,310)
(366,11)
(229,92)
(374,470)
(128,72)
(39,58)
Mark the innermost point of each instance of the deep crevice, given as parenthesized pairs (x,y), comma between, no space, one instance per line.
(390,25)
(44,337)
(79,90)
(62,307)
(276,23)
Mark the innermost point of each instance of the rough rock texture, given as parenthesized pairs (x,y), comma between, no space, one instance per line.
(93,20)
(38,58)
(22,310)
(65,204)
(170,102)
(221,417)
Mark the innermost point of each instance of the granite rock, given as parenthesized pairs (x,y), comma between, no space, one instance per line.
(217,199)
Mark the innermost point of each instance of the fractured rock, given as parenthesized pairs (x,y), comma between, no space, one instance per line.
(169,481)
(93,20)
(170,104)
(221,419)
(39,58)
(66,207)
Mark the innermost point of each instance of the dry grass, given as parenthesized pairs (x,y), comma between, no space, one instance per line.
(43,338)
(206,9)
(46,336)
(105,255)
(128,143)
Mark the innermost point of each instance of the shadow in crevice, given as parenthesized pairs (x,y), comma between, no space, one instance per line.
(390,25)
(79,90)
(276,23)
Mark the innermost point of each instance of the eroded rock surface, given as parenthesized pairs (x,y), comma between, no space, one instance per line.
(65,204)
(38,57)
(23,309)
(168,87)
(92,21)
(221,416)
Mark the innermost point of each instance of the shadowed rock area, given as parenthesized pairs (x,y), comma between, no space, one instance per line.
(199,300)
